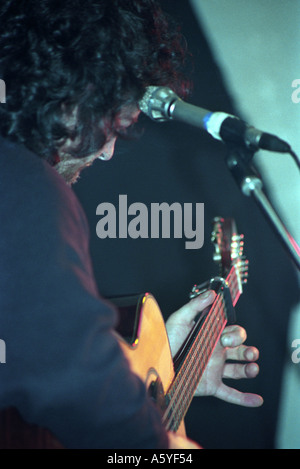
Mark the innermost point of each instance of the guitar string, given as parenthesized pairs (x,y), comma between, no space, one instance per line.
(185,375)
(214,334)
(181,406)
(178,384)
(180,380)
(212,313)
(175,391)
(236,290)
(187,369)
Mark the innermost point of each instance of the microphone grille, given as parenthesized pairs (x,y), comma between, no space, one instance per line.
(156,102)
(145,102)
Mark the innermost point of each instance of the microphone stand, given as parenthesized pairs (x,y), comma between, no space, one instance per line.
(238,160)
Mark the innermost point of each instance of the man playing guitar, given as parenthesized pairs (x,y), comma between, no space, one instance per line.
(74,73)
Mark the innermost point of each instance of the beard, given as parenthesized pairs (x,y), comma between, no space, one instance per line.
(70,168)
(70,177)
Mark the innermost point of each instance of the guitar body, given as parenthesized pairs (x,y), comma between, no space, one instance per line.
(151,360)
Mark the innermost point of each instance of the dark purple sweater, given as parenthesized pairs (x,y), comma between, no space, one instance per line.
(64,369)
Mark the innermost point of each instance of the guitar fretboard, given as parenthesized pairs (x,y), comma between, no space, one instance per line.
(182,390)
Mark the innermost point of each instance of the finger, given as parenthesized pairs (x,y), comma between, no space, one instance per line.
(233,336)
(195,306)
(240,371)
(233,396)
(242,353)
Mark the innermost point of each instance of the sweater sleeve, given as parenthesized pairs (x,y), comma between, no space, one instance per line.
(65,370)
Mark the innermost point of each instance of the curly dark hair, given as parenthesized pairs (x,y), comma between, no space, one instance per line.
(93,55)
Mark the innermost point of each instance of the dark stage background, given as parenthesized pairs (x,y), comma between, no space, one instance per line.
(173,162)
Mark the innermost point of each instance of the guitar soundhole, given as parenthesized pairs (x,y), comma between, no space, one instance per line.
(156,392)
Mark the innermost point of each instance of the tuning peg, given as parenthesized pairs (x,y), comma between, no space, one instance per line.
(245,279)
(244,271)
(217,257)
(237,237)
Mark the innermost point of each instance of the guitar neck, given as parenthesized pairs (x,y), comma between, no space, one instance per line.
(197,352)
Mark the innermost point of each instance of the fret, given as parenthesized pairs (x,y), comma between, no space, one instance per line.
(185,383)
(200,345)
(234,287)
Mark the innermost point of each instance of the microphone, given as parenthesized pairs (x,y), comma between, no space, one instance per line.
(162,104)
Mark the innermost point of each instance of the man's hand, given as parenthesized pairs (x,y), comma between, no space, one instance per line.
(181,442)
(230,347)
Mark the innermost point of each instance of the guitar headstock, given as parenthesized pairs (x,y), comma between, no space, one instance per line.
(229,247)
(233,265)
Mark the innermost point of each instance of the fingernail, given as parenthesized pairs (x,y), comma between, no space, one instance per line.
(226,340)
(205,294)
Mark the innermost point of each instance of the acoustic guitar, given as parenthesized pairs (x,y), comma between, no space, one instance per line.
(171,382)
